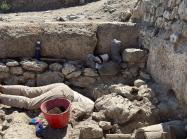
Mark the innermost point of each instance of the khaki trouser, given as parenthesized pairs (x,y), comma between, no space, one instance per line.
(32,97)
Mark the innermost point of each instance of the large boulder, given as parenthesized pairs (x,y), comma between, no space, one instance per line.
(80,110)
(118,109)
(126,103)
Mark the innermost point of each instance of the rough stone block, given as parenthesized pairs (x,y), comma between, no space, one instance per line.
(36,66)
(126,32)
(16,70)
(133,55)
(49,78)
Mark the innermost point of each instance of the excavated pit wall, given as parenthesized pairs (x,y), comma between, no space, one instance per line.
(73,41)
(40,5)
(65,43)
(166,38)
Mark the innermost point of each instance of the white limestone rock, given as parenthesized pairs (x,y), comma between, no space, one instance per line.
(35,66)
(133,55)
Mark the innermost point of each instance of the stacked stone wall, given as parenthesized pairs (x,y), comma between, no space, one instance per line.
(165,37)
(75,73)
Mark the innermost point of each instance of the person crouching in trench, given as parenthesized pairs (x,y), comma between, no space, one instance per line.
(32,97)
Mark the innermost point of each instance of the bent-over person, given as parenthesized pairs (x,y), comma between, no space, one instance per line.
(32,97)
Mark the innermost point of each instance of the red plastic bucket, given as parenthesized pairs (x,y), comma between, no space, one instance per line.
(56,120)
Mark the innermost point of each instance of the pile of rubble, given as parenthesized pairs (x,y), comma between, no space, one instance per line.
(120,112)
(126,98)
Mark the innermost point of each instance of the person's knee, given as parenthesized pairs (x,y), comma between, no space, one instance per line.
(32,105)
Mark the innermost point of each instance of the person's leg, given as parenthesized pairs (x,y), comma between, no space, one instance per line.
(26,91)
(15,101)
(61,91)
(58,92)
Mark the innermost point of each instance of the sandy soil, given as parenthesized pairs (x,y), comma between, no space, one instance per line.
(103,10)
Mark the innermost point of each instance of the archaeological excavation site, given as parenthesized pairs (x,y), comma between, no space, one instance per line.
(93,69)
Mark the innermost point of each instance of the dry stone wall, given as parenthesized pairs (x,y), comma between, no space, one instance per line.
(165,37)
(31,72)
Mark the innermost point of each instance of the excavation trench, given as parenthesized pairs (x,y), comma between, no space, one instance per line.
(142,97)
(126,96)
